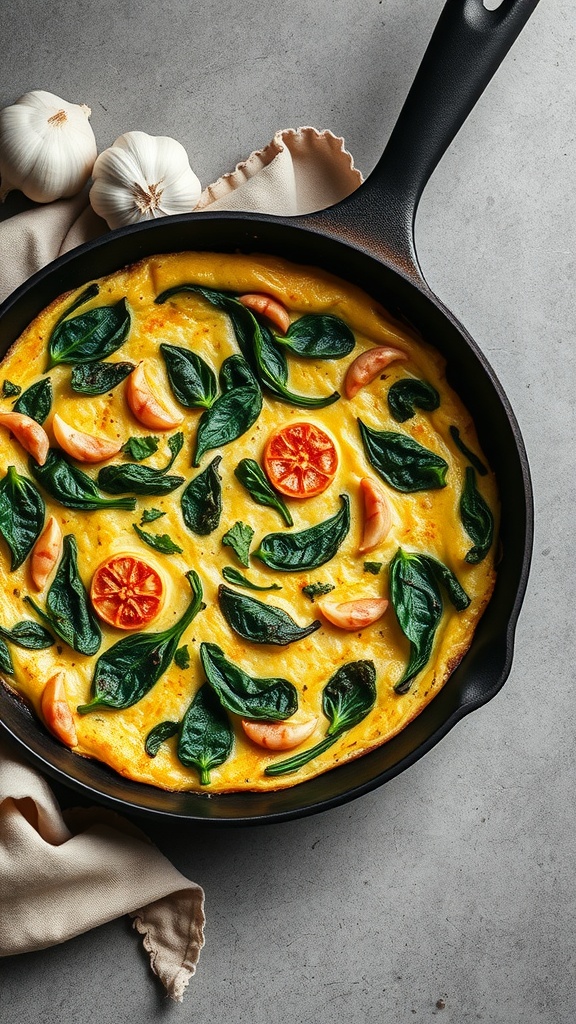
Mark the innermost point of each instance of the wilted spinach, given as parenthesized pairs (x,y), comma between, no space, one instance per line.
(318,336)
(402,462)
(373,567)
(89,336)
(239,538)
(313,590)
(251,477)
(191,379)
(9,389)
(477,519)
(206,736)
(201,500)
(158,735)
(272,699)
(36,401)
(130,668)
(125,476)
(28,634)
(22,513)
(408,394)
(238,580)
(233,412)
(68,610)
(417,602)
(260,623)
(294,552)
(98,378)
(5,660)
(347,699)
(150,515)
(140,448)
(71,487)
(160,542)
(182,657)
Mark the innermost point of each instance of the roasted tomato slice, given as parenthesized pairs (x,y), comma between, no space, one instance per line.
(301,460)
(127,592)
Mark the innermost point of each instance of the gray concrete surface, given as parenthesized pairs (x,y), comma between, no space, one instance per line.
(448,894)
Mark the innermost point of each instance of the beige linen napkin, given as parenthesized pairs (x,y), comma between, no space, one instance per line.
(59,877)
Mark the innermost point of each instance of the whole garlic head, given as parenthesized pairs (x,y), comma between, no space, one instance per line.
(142,177)
(47,147)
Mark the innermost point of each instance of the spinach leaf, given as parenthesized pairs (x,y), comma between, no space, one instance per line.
(472,458)
(402,462)
(417,603)
(293,552)
(201,500)
(347,699)
(71,487)
(260,623)
(9,389)
(90,336)
(158,735)
(206,736)
(266,356)
(98,378)
(36,401)
(182,657)
(191,379)
(239,538)
(5,660)
(238,580)
(122,476)
(28,634)
(233,412)
(150,515)
(140,448)
(373,567)
(130,668)
(408,394)
(160,542)
(318,336)
(313,590)
(477,519)
(22,512)
(251,477)
(272,699)
(68,610)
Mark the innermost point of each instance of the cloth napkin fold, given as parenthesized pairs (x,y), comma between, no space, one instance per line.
(61,876)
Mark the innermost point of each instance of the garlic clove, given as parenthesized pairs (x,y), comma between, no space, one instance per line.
(47,147)
(46,553)
(83,447)
(143,177)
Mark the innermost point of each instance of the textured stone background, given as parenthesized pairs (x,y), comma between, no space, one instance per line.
(455,882)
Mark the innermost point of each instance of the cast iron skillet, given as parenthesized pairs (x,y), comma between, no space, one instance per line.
(367,239)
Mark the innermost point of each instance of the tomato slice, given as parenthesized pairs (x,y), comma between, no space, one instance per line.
(127,592)
(301,460)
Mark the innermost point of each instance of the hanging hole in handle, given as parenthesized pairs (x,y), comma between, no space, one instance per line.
(492,5)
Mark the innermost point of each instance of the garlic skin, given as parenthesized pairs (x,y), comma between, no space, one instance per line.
(142,177)
(47,147)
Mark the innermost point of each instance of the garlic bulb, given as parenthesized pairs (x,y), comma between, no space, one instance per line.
(142,177)
(47,147)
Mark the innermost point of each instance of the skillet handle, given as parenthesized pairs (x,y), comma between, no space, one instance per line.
(466,48)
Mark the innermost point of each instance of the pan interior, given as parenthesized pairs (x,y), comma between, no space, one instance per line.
(485,667)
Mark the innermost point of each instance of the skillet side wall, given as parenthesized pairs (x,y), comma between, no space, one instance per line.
(487,664)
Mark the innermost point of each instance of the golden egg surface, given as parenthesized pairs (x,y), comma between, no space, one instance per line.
(426,524)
